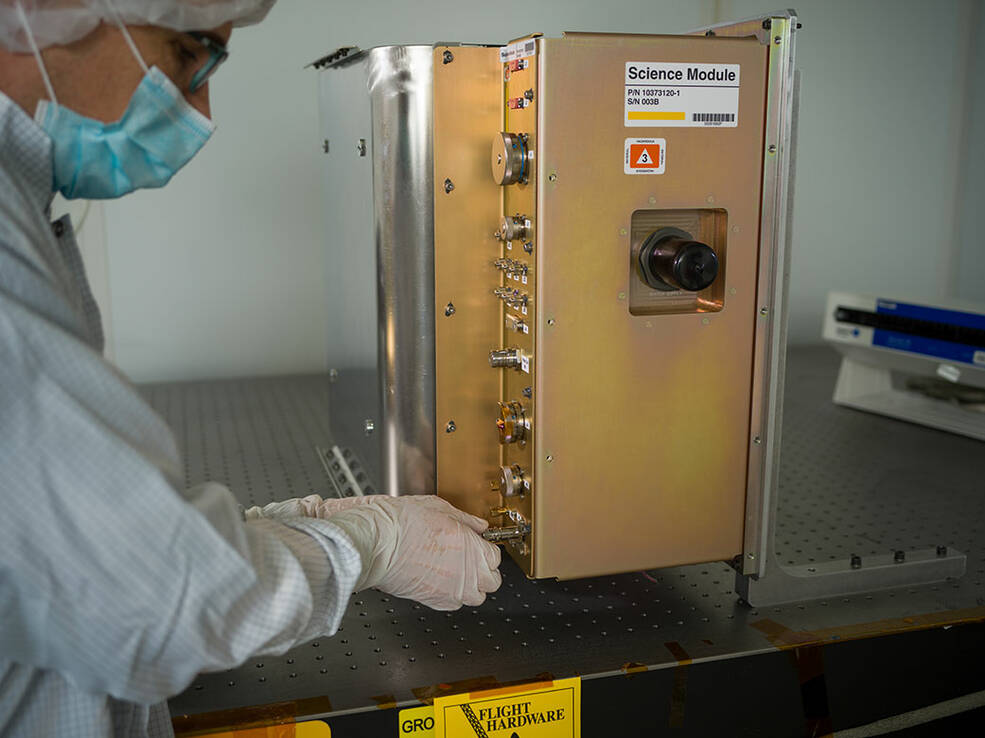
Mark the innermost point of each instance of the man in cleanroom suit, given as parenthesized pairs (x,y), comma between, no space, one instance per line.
(118,586)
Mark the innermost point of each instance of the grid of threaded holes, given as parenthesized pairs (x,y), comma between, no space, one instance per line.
(595,617)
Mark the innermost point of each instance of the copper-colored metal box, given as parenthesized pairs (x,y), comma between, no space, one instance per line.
(604,278)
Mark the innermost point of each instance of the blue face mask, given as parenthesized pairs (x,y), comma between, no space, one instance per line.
(157,135)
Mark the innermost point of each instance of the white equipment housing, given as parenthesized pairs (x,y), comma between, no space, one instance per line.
(915,361)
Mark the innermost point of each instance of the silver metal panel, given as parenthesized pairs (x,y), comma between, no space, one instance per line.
(379,187)
(351,322)
(850,482)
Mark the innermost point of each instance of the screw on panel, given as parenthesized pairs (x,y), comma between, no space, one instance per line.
(771,148)
(447,57)
(942,550)
(451,427)
(528,392)
(550,321)
(449,186)
(333,375)
(757,440)
(899,557)
(856,561)
(369,426)
(552,177)
(764,311)
(325,146)
(529,94)
(549,458)
(449,310)
(361,147)
(777,40)
(528,246)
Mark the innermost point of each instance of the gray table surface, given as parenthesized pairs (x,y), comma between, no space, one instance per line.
(850,482)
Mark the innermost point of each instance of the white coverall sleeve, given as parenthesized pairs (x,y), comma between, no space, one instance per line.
(109,573)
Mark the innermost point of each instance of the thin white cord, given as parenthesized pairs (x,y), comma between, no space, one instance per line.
(37,53)
(126,35)
(82,218)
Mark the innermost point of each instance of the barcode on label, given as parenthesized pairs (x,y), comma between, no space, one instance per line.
(713,117)
(529,47)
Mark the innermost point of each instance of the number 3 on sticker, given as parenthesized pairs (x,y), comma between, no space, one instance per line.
(645,156)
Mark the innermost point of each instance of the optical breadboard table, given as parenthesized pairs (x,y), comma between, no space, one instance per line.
(850,483)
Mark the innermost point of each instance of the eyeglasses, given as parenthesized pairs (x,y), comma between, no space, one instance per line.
(217,55)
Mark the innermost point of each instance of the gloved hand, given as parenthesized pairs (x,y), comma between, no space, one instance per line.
(417,547)
(296,507)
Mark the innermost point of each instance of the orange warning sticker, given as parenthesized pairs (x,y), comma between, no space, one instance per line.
(645,156)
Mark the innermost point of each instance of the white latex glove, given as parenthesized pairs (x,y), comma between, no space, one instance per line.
(296,507)
(418,547)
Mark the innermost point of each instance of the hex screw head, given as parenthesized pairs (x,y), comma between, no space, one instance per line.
(449,310)
(451,427)
(449,186)
(447,57)
(777,40)
(899,557)
(771,148)
(856,561)
(942,550)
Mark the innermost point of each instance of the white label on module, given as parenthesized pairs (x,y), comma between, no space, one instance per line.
(525,363)
(518,50)
(680,94)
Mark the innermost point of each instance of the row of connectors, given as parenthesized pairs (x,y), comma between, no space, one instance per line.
(516,324)
(513,298)
(512,162)
(513,268)
(519,103)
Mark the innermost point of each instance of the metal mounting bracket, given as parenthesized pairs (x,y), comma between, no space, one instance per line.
(780,584)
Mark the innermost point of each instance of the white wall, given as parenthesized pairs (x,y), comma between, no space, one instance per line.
(222,273)
(969,278)
(881,114)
